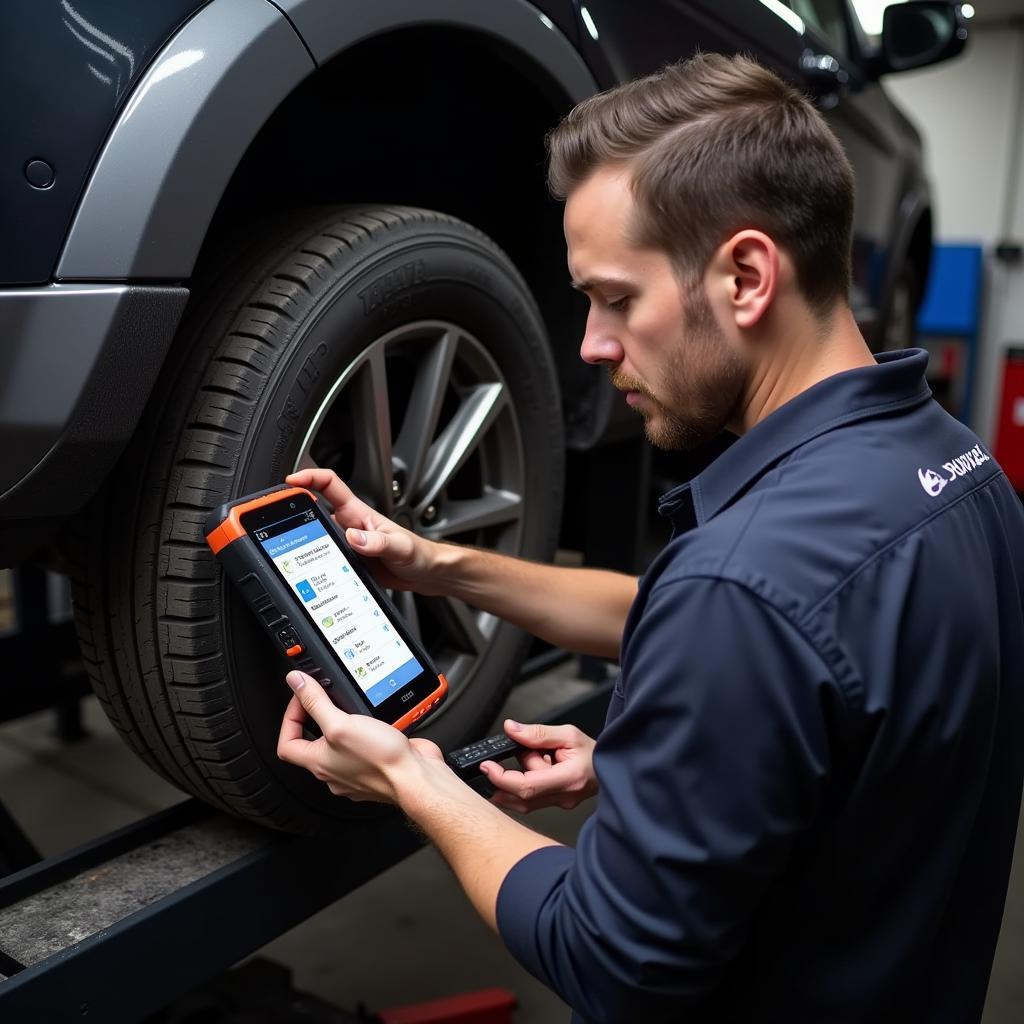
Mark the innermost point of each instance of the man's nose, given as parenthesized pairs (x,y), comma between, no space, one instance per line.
(599,344)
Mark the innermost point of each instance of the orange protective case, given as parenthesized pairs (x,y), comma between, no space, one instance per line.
(231,529)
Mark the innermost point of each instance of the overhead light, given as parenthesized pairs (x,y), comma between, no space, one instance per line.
(589,22)
(967,10)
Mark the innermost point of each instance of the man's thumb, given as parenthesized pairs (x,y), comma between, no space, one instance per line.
(310,693)
(534,735)
(368,542)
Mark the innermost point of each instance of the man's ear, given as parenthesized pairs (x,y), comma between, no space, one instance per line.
(747,269)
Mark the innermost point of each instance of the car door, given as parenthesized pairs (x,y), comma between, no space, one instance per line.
(625,41)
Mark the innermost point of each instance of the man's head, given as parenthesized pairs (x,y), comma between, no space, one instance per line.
(697,199)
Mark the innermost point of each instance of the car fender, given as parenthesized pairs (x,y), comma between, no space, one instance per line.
(914,206)
(170,155)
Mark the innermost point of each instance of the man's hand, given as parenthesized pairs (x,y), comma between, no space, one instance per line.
(557,772)
(364,759)
(579,609)
(357,756)
(402,560)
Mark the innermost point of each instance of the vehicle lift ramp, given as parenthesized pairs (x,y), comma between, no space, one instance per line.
(117,929)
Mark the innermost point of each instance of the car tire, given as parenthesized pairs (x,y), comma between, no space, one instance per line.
(310,344)
(900,330)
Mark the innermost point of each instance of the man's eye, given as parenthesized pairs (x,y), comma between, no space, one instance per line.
(619,305)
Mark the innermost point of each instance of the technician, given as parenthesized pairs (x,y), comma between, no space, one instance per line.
(809,779)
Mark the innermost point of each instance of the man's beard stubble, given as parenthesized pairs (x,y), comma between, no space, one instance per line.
(702,384)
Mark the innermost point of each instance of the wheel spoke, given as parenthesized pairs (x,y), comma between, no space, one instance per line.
(373,471)
(424,408)
(460,624)
(460,437)
(458,449)
(493,508)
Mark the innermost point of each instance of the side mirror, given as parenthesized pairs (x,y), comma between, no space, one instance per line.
(920,33)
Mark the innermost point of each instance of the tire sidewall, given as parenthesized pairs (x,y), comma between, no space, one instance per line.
(448,274)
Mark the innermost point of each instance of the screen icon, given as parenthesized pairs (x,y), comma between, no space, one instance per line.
(349,653)
(327,621)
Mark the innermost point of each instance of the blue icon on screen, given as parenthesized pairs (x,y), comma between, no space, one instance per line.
(349,653)
(306,592)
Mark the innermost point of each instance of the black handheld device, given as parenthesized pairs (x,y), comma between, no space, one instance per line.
(466,760)
(321,605)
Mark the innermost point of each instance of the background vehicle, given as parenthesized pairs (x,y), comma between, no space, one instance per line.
(247,236)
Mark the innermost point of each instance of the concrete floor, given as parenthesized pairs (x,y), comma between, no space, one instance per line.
(65,795)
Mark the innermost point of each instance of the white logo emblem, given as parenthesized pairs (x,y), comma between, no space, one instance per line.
(931,481)
(960,466)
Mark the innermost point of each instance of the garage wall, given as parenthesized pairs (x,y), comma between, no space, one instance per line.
(969,112)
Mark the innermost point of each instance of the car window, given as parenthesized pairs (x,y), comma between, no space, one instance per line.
(867,16)
(827,18)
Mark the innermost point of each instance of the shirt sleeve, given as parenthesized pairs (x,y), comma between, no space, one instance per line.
(712,770)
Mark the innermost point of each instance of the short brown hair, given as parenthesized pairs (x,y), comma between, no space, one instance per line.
(717,144)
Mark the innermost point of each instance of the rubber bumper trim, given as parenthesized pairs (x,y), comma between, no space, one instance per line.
(79,363)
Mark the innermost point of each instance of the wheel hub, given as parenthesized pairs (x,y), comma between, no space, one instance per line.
(403,516)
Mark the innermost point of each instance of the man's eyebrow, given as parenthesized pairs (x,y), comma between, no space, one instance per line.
(589,284)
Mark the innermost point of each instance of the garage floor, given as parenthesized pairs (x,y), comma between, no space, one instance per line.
(413,915)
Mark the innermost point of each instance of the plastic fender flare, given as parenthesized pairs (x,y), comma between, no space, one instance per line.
(170,155)
(914,205)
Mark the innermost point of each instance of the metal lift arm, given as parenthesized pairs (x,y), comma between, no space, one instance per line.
(118,928)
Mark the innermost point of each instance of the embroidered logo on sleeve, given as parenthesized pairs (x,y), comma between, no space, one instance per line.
(960,466)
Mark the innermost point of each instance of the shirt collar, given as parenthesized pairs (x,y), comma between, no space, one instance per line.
(896,381)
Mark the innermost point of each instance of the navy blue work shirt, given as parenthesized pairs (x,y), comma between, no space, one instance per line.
(811,769)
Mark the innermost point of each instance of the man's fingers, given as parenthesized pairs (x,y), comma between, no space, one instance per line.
(510,803)
(545,736)
(531,784)
(396,547)
(315,702)
(292,746)
(347,506)
(532,760)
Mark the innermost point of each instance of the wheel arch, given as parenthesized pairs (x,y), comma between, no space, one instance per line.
(919,251)
(912,244)
(188,158)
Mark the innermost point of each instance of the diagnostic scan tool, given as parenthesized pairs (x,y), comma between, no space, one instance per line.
(322,607)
